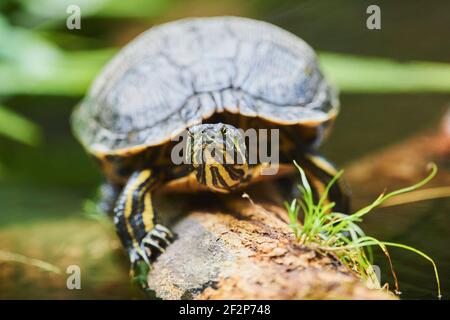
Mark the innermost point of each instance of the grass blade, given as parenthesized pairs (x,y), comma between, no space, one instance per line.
(18,128)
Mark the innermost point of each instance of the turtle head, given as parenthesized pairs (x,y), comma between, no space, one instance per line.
(218,156)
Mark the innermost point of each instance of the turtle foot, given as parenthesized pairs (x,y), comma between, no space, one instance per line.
(150,247)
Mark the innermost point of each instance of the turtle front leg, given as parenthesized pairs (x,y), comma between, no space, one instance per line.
(135,221)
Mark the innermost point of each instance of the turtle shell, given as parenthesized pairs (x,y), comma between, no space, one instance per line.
(177,74)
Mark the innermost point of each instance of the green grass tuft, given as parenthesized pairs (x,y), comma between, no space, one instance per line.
(339,232)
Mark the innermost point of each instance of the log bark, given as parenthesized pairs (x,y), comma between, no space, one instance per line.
(243,250)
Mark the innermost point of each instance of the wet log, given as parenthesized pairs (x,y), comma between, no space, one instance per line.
(243,250)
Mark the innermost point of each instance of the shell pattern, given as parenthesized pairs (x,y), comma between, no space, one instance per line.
(176,75)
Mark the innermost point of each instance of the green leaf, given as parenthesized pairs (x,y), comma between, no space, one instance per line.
(16,127)
(70,75)
(357,74)
(56,9)
(25,50)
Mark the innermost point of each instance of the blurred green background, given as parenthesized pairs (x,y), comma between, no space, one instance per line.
(394,82)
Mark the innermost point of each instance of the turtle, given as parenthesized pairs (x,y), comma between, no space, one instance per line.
(207,80)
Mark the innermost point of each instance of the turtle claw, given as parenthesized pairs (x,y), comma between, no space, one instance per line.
(152,243)
(155,242)
(161,236)
(167,232)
